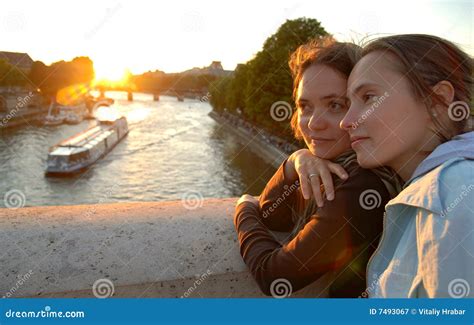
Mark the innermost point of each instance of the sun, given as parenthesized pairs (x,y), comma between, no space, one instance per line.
(110,73)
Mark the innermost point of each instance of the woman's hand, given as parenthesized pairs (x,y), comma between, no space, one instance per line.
(312,171)
(248,198)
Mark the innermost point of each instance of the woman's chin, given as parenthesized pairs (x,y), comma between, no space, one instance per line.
(318,152)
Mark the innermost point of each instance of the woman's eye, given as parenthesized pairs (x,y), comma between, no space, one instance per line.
(335,106)
(305,108)
(368,97)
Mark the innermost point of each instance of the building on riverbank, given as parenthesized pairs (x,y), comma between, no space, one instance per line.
(19,106)
(20,60)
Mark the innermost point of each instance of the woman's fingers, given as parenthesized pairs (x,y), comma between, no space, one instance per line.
(338,170)
(316,189)
(304,185)
(247,198)
(328,184)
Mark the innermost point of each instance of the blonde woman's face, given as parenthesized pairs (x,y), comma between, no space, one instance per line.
(387,125)
(322,103)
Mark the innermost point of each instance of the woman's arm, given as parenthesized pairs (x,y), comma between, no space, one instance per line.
(290,187)
(278,199)
(445,242)
(327,242)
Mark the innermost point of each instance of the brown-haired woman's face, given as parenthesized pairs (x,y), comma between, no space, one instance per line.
(387,125)
(322,103)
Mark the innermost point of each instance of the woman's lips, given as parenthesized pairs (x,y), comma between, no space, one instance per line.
(357,140)
(316,141)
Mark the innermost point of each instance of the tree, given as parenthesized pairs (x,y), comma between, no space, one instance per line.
(266,78)
(49,79)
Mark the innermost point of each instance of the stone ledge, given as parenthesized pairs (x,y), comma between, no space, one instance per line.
(150,249)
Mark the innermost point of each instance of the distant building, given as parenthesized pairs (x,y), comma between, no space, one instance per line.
(215,69)
(21,60)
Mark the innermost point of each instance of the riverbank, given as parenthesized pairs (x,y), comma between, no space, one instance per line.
(270,148)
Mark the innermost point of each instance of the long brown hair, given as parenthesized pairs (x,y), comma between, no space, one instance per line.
(326,51)
(425,60)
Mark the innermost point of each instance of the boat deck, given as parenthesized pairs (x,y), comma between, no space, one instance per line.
(82,141)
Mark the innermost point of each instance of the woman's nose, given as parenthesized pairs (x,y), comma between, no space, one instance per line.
(317,122)
(350,120)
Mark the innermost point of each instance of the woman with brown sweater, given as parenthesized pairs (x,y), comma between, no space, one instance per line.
(338,234)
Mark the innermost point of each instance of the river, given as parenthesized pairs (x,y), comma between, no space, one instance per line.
(174,151)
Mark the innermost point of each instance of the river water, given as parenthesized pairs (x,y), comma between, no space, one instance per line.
(174,151)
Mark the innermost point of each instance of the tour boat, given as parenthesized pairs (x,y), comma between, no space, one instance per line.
(77,153)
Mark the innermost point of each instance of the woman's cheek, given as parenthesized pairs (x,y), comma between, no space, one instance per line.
(303,124)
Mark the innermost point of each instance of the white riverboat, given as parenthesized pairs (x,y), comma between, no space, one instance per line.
(77,153)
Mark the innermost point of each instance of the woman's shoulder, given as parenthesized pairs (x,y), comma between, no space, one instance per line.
(363,192)
(441,187)
(361,179)
(455,183)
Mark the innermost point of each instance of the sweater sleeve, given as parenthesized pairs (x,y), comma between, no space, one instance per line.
(279,198)
(329,241)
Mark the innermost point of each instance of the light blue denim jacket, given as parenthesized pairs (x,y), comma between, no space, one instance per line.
(427,245)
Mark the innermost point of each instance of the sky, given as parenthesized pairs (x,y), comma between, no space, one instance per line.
(176,35)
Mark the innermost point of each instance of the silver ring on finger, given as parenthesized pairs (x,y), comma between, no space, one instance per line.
(312,175)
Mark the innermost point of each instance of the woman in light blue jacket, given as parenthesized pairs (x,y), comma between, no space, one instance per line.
(409,111)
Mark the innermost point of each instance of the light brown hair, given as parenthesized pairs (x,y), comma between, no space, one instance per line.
(326,51)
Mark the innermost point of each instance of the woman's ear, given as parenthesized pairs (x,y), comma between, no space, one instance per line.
(445,90)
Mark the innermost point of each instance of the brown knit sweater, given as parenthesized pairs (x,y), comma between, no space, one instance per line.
(340,237)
